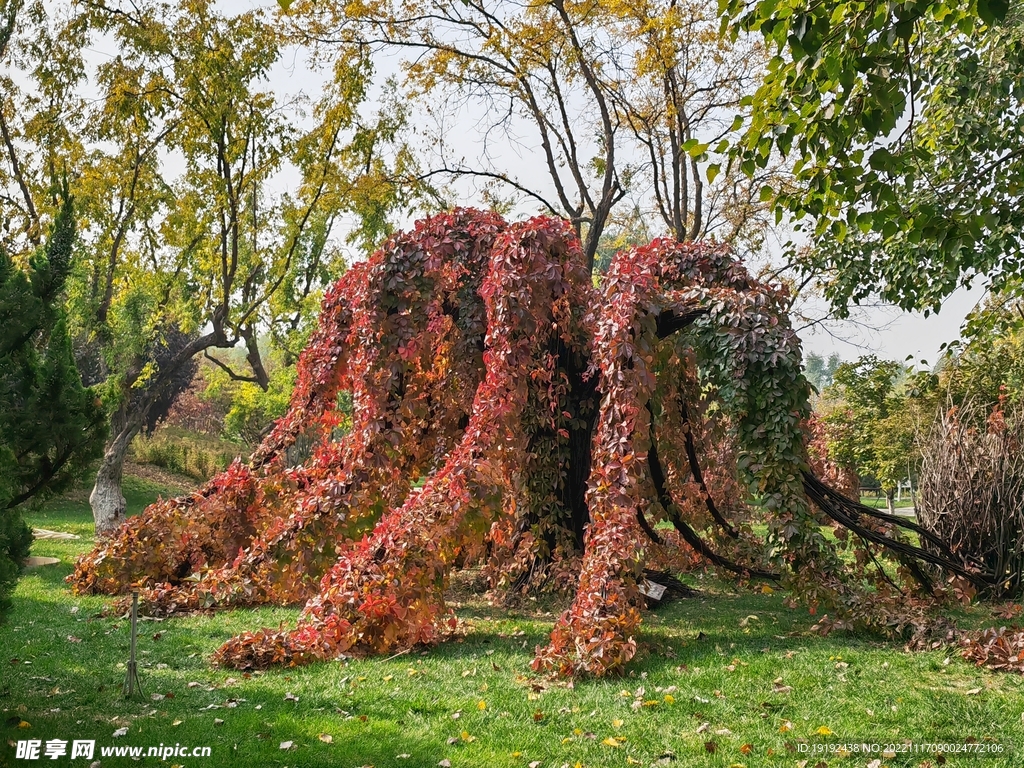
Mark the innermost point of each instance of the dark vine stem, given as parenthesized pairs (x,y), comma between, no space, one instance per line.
(646,527)
(689,535)
(846,512)
(698,476)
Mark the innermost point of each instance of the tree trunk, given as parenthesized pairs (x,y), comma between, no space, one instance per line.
(107,501)
(890,500)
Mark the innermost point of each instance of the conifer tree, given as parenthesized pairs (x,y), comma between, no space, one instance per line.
(50,425)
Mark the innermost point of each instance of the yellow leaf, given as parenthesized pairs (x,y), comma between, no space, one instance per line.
(388,678)
(631,761)
(786,727)
(566,740)
(467,738)
(326,738)
(766,590)
(625,694)
(176,723)
(651,703)
(824,731)
(611,741)
(670,699)
(482,706)
(24,724)
(616,723)
(517,754)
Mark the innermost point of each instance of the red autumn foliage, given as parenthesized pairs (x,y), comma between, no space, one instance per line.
(552,426)
(997,649)
(842,477)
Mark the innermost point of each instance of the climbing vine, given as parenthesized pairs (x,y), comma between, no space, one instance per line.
(509,414)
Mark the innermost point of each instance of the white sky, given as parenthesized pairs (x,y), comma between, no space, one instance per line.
(897,334)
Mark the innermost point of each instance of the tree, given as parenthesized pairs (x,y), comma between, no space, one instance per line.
(870,410)
(187,246)
(51,427)
(820,371)
(904,122)
(470,346)
(620,99)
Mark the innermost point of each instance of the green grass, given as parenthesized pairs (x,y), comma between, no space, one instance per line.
(715,657)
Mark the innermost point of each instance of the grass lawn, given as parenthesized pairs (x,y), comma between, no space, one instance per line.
(731,678)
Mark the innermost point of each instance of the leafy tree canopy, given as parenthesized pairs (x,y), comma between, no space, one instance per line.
(905,125)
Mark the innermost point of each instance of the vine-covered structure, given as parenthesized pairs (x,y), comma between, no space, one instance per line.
(508,413)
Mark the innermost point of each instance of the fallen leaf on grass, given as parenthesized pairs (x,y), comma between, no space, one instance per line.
(710,747)
(24,724)
(176,723)
(287,745)
(467,738)
(326,738)
(446,763)
(703,727)
(611,741)
(746,749)
(218,721)
(974,691)
(824,731)
(535,764)
(618,723)
(290,697)
(120,732)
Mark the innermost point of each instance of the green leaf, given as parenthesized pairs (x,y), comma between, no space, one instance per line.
(712,172)
(993,11)
(695,150)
